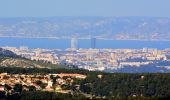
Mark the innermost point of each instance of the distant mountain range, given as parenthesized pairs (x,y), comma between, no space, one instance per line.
(120,28)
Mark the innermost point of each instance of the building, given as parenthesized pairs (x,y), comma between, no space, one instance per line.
(74,43)
(24,48)
(93,43)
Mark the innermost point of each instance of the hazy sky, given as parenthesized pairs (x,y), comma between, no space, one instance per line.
(45,8)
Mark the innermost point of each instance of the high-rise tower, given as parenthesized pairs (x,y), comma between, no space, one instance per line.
(93,43)
(74,43)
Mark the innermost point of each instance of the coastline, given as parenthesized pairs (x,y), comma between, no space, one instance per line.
(81,38)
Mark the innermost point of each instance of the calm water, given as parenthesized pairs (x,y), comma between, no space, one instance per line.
(82,43)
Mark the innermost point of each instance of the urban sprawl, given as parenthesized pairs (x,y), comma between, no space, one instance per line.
(94,59)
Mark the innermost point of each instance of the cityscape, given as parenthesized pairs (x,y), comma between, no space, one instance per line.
(84,50)
(93,59)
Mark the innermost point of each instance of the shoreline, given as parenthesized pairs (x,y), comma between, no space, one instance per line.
(21,37)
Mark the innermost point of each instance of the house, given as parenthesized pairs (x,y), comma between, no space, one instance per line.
(81,76)
(2,88)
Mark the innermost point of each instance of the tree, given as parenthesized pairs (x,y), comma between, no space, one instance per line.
(51,76)
(41,84)
(32,88)
(54,80)
(18,88)
(7,87)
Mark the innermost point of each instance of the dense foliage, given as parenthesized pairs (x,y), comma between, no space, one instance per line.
(18,70)
(128,85)
(41,95)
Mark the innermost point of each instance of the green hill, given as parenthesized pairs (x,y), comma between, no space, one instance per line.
(10,59)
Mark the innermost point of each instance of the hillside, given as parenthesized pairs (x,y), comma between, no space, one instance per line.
(10,59)
(6,53)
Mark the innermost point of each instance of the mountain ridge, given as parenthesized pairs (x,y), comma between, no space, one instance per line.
(121,28)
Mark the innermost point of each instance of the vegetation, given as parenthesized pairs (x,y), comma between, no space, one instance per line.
(10,59)
(128,85)
(143,86)
(42,95)
(18,70)
(97,85)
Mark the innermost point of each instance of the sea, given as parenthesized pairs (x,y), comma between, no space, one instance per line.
(51,43)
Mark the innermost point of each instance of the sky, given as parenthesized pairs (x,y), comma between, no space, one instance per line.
(116,8)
